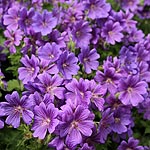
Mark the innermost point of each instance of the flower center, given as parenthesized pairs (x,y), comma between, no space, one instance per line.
(117,120)
(110,33)
(74,124)
(92,6)
(78,33)
(130,3)
(129,89)
(129,148)
(46,121)
(109,80)
(18,108)
(64,65)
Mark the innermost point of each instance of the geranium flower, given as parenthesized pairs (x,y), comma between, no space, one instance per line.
(131,90)
(45,119)
(15,107)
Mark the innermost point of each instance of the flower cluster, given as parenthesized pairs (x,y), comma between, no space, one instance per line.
(71,91)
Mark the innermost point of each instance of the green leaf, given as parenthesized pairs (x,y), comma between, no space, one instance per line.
(13,85)
(147,130)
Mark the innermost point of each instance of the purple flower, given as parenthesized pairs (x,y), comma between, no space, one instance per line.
(45,119)
(144,108)
(51,84)
(11,19)
(75,124)
(136,35)
(36,99)
(97,8)
(44,23)
(86,147)
(67,64)
(47,67)
(127,22)
(59,144)
(14,39)
(129,5)
(78,92)
(144,73)
(1,114)
(89,59)
(121,120)
(109,79)
(57,37)
(49,52)
(81,34)
(30,70)
(131,90)
(15,107)
(97,93)
(105,125)
(131,144)
(26,19)
(112,32)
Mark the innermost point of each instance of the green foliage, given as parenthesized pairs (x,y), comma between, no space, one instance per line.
(14,60)
(20,139)
(14,85)
(142,129)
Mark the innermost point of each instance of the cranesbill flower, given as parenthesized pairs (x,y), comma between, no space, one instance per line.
(59,144)
(105,125)
(75,124)
(47,67)
(57,37)
(37,98)
(121,120)
(1,114)
(144,72)
(49,52)
(51,84)
(109,79)
(67,64)
(15,107)
(97,93)
(112,32)
(81,34)
(26,19)
(45,119)
(131,144)
(131,90)
(14,39)
(11,19)
(97,8)
(89,59)
(44,22)
(78,92)
(30,70)
(129,5)
(144,108)
(135,35)
(86,147)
